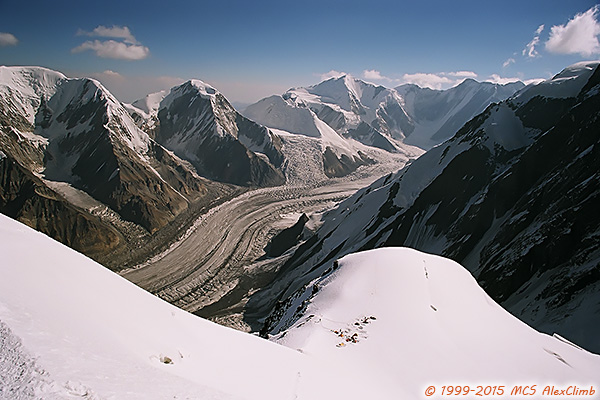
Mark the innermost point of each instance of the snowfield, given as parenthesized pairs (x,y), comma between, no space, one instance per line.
(386,324)
(408,320)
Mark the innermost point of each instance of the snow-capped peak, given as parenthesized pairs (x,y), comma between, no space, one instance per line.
(29,90)
(195,86)
(151,103)
(24,87)
(567,83)
(345,91)
(203,88)
(584,68)
(33,78)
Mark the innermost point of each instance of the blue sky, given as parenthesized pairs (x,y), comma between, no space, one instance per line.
(251,49)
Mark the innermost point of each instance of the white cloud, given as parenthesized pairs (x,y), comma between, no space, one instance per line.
(508,62)
(111,74)
(539,30)
(375,75)
(495,78)
(114,32)
(8,39)
(530,50)
(578,36)
(127,48)
(113,49)
(332,74)
(462,74)
(432,81)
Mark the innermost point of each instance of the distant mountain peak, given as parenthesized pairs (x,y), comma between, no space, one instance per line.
(151,102)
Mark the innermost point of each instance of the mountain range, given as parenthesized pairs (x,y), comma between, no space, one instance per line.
(375,295)
(512,196)
(378,116)
(127,178)
(72,151)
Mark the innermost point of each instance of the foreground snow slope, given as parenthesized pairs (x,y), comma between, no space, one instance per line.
(94,329)
(422,320)
(72,329)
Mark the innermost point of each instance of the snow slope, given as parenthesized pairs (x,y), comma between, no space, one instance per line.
(76,330)
(416,320)
(25,86)
(437,115)
(89,328)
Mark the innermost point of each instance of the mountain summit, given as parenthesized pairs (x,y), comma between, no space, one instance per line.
(197,123)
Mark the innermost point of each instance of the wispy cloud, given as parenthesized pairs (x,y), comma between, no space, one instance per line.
(113,49)
(8,39)
(529,50)
(508,62)
(462,74)
(108,74)
(578,36)
(127,48)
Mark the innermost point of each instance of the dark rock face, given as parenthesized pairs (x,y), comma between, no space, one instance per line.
(89,147)
(73,131)
(517,206)
(206,131)
(287,238)
(336,167)
(365,133)
(24,197)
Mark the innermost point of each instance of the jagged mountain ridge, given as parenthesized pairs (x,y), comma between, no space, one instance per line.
(334,113)
(82,149)
(378,116)
(197,122)
(437,115)
(521,213)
